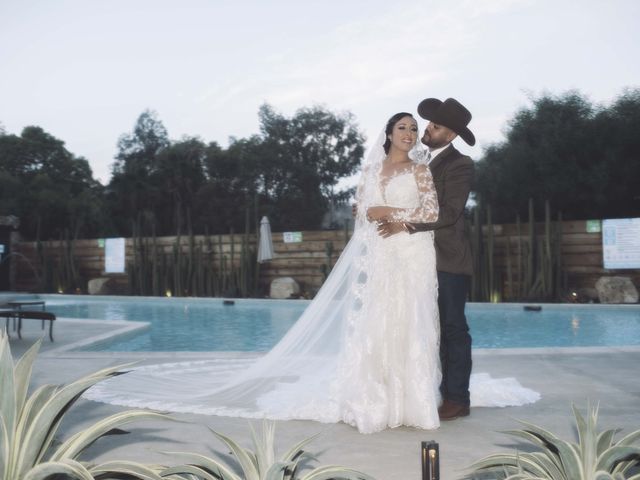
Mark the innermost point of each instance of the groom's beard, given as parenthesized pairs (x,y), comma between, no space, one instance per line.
(433,142)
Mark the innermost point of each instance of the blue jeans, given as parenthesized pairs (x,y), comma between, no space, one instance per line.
(455,341)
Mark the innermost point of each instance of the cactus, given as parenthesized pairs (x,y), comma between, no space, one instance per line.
(546,271)
(233,284)
(65,274)
(189,274)
(347,234)
(221,268)
(326,267)
(155,274)
(476,249)
(537,273)
(560,280)
(490,251)
(520,253)
(510,289)
(210,271)
(45,284)
(244,255)
(530,272)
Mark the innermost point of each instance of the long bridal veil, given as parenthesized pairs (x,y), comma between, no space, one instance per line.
(294,379)
(297,378)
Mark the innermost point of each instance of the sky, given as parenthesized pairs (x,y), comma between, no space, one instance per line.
(84,70)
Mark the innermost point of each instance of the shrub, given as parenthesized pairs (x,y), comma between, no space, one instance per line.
(260,464)
(595,457)
(28,425)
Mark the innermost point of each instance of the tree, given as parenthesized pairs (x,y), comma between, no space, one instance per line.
(133,190)
(233,184)
(290,170)
(303,159)
(49,188)
(11,193)
(179,174)
(138,150)
(580,157)
(616,136)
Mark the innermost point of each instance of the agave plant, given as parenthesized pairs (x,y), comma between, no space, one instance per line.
(28,426)
(595,457)
(261,464)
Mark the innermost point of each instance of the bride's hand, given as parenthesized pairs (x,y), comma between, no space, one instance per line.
(388,229)
(378,214)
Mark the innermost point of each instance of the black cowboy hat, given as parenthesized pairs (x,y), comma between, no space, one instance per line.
(450,113)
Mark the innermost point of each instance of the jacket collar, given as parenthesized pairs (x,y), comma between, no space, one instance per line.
(442,156)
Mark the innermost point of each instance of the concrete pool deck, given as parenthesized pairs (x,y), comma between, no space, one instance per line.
(604,375)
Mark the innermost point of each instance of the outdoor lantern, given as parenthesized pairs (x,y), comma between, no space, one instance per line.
(430,461)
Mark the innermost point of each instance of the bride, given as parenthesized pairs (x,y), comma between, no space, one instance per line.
(365,351)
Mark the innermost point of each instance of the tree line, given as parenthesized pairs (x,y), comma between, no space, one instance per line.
(580,156)
(583,158)
(289,172)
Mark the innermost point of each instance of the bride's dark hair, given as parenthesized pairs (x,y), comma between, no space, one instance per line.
(389,128)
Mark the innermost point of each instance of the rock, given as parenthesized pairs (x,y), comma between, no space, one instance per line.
(284,287)
(616,290)
(100,286)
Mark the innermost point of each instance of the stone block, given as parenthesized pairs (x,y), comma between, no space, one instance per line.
(284,287)
(616,290)
(100,286)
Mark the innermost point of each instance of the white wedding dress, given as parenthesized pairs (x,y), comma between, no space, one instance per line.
(364,352)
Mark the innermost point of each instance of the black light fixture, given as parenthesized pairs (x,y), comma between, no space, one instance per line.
(430,460)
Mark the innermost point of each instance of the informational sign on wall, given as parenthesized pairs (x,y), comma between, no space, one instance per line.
(292,237)
(621,243)
(114,258)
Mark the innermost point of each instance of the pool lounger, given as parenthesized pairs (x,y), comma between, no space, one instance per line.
(29,315)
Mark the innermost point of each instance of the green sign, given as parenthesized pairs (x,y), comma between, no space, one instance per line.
(292,237)
(101,242)
(593,226)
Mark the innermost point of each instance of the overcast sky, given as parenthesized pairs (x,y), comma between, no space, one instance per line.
(84,70)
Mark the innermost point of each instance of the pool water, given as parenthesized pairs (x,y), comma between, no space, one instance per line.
(188,325)
(510,326)
(257,325)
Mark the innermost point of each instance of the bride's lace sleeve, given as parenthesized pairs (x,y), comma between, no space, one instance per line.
(427,212)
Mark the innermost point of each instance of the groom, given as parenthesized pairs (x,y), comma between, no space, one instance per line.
(452,174)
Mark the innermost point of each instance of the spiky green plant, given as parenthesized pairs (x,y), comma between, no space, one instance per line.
(595,457)
(28,425)
(260,464)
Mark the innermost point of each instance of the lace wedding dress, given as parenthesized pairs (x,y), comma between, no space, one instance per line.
(364,352)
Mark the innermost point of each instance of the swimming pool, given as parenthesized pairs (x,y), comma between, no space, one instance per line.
(197,324)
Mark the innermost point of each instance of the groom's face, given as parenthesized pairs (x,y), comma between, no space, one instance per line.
(437,136)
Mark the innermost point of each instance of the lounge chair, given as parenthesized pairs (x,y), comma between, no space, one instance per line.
(29,315)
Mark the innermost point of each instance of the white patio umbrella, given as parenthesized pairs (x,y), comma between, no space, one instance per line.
(265,243)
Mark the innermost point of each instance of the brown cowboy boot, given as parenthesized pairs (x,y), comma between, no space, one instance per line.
(451,410)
